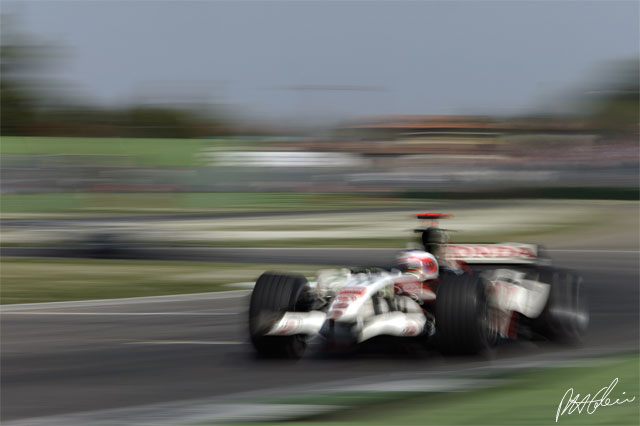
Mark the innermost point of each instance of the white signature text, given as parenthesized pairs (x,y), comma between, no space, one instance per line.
(571,403)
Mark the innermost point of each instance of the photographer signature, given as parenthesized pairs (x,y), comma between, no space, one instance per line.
(589,403)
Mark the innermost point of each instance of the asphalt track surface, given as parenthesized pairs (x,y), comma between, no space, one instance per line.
(68,358)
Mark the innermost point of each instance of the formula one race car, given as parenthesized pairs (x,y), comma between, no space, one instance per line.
(464,297)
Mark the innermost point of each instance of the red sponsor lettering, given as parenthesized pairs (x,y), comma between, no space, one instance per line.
(288,326)
(411,329)
(526,252)
(410,287)
(489,251)
(358,291)
(347,298)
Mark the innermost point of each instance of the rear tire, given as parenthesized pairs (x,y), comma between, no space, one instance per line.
(462,315)
(566,316)
(273,295)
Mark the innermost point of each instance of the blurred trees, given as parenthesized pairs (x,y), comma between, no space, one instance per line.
(15,108)
(615,104)
(33,104)
(16,59)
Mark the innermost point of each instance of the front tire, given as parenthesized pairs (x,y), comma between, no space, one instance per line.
(273,295)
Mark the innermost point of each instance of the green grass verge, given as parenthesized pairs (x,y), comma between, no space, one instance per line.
(525,398)
(188,202)
(131,151)
(50,280)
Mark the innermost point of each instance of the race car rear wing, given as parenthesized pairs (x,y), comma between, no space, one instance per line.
(433,216)
(501,253)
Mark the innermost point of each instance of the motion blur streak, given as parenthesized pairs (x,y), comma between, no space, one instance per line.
(157,157)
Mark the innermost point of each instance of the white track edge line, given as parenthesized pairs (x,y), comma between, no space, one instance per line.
(226,294)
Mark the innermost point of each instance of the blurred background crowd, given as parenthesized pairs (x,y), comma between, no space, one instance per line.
(55,140)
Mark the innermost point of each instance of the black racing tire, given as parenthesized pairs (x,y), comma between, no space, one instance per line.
(565,317)
(273,295)
(462,315)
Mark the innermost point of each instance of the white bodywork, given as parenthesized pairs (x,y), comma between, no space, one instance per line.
(352,296)
(298,323)
(511,292)
(508,292)
(352,302)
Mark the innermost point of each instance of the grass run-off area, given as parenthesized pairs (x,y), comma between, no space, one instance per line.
(527,397)
(50,280)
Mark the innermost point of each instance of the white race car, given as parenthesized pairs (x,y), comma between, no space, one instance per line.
(463,297)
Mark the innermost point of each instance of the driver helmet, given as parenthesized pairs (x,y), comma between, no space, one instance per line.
(420,264)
